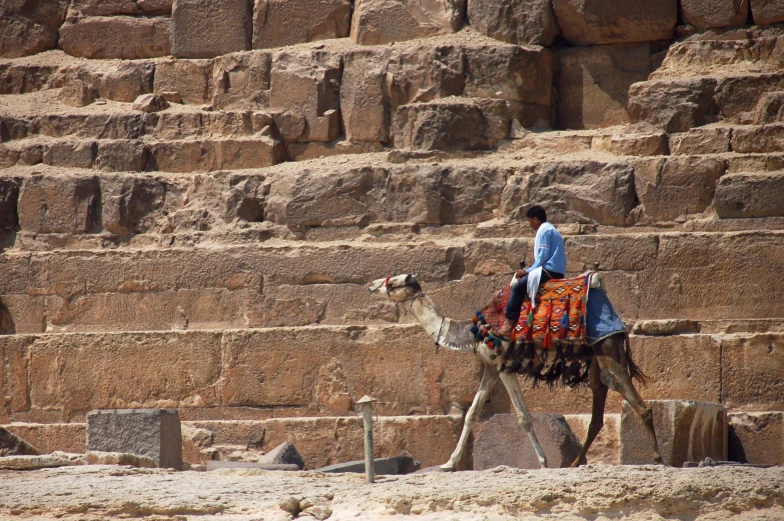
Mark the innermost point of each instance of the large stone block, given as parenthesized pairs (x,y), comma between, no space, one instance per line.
(518,22)
(191,79)
(13,445)
(704,14)
(121,81)
(502,441)
(127,203)
(241,80)
(49,204)
(14,384)
(378,22)
(591,22)
(154,433)
(700,141)
(582,191)
(750,195)
(593,83)
(308,83)
(74,154)
(451,124)
(676,186)
(510,73)
(674,105)
(124,37)
(65,437)
(757,438)
(767,12)
(30,27)
(81,8)
(606,448)
(277,23)
(752,368)
(122,155)
(758,139)
(210,28)
(685,431)
(9,195)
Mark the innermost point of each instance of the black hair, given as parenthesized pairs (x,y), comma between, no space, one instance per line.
(538,212)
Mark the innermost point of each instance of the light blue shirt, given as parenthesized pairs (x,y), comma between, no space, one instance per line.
(551,254)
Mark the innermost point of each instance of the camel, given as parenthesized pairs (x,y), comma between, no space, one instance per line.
(610,367)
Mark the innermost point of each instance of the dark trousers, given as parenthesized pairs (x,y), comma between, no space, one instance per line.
(520,290)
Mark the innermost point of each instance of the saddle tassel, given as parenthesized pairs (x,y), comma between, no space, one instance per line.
(547,343)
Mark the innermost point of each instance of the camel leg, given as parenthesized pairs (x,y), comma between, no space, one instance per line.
(599,392)
(523,416)
(618,379)
(489,378)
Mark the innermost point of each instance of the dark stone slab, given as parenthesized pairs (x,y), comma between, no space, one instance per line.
(389,466)
(154,433)
(215,465)
(284,454)
(502,441)
(13,445)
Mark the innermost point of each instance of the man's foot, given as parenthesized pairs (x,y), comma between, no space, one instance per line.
(507,329)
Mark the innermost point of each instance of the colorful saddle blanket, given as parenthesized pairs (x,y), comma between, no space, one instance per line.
(560,313)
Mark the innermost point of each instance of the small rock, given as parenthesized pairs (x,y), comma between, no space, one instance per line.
(76,94)
(665,327)
(207,108)
(290,505)
(320,512)
(150,103)
(100,102)
(284,454)
(172,96)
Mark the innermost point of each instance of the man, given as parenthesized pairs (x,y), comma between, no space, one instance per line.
(549,262)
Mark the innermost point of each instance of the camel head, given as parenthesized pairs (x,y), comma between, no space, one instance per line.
(399,288)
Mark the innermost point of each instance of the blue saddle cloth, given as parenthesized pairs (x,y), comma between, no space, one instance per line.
(602,320)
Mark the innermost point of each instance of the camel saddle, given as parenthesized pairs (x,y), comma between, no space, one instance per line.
(559,314)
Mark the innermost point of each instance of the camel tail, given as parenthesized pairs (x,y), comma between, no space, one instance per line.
(634,371)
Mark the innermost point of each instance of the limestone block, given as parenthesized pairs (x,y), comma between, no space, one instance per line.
(155,6)
(30,27)
(76,154)
(258,152)
(76,94)
(277,23)
(150,103)
(606,448)
(591,22)
(33,462)
(316,149)
(12,445)
(767,12)
(121,155)
(451,124)
(704,14)
(9,194)
(675,186)
(654,144)
(191,79)
(183,156)
(49,204)
(377,22)
(510,73)
(758,139)
(753,366)
(697,141)
(210,28)
(81,8)
(154,433)
(685,431)
(757,438)
(308,83)
(128,202)
(502,441)
(241,80)
(364,104)
(67,437)
(124,37)
(519,22)
(120,81)
(595,192)
(737,95)
(750,195)
(593,83)
(770,108)
(674,105)
(666,327)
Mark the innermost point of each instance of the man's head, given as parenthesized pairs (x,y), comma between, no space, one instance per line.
(536,216)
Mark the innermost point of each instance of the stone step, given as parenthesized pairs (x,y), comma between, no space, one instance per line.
(323,371)
(649,276)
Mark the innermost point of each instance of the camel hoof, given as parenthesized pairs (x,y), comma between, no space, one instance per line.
(657,460)
(446,467)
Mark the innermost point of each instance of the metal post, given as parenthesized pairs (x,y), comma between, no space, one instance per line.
(367,417)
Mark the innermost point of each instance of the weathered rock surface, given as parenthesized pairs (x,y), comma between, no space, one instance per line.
(12,445)
(502,441)
(151,433)
(518,22)
(756,438)
(150,103)
(242,80)
(704,14)
(30,27)
(750,195)
(685,431)
(277,23)
(592,22)
(190,79)
(378,22)
(209,28)
(59,205)
(32,462)
(123,37)
(593,83)
(676,105)
(766,12)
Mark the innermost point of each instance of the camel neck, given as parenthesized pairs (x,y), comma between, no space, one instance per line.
(428,316)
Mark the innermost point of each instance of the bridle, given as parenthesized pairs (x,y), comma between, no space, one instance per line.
(406,284)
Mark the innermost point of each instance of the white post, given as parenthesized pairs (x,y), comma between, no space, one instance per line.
(367,417)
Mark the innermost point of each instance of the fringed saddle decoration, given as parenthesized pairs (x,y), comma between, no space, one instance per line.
(556,324)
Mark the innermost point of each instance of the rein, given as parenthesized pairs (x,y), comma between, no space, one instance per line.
(414,297)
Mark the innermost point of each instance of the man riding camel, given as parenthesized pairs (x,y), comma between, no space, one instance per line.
(549,263)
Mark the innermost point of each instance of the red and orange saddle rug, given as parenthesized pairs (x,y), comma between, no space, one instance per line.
(559,313)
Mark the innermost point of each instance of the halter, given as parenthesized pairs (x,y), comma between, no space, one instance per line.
(404,285)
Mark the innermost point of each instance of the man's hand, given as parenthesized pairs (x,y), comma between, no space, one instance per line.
(520,274)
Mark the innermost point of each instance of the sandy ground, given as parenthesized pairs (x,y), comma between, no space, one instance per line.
(594,492)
